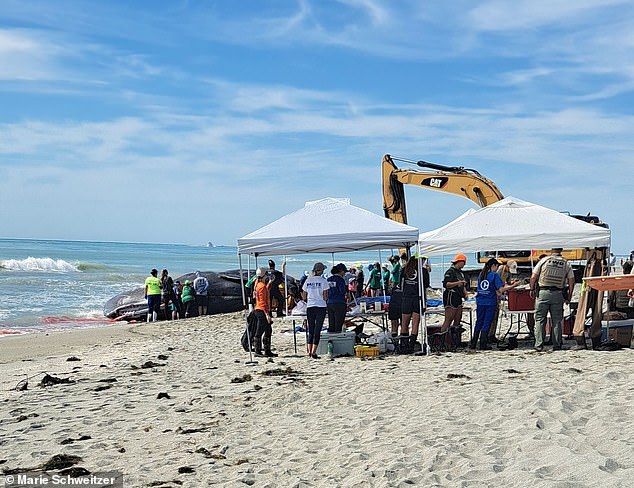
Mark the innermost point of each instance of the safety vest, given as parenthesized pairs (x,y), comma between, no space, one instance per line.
(553,272)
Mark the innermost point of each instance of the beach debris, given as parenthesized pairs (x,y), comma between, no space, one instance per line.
(540,424)
(575,370)
(151,364)
(242,461)
(171,348)
(186,469)
(280,372)
(22,385)
(108,380)
(610,465)
(61,461)
(165,483)
(204,452)
(74,472)
(242,379)
(73,358)
(162,357)
(512,371)
(22,418)
(121,449)
(103,387)
(49,380)
(2,461)
(257,387)
(452,376)
(70,440)
(163,395)
(181,430)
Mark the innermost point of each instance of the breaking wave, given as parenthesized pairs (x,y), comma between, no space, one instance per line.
(37,264)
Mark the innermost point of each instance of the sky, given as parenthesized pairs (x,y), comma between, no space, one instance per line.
(196,121)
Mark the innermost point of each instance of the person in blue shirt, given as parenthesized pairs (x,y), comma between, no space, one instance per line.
(490,287)
(336,302)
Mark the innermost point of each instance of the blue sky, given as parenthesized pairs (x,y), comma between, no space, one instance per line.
(196,121)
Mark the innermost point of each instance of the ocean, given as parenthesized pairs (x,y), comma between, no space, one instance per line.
(50,285)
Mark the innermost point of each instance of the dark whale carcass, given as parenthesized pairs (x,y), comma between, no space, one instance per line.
(224,296)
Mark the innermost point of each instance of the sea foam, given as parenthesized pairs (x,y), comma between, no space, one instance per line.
(37,264)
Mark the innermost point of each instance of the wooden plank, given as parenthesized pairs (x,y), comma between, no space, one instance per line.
(611,283)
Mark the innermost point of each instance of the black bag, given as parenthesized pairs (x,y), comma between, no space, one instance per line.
(252,325)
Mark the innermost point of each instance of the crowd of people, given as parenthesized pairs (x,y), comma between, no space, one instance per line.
(180,300)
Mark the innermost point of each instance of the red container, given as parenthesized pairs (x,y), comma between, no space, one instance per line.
(521,300)
(567,325)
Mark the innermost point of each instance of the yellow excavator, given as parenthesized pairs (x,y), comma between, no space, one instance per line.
(467,183)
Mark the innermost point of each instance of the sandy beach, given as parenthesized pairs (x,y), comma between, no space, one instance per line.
(498,418)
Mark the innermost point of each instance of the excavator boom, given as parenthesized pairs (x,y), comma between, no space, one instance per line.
(467,183)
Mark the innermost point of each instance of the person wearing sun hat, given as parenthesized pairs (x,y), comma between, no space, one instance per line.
(454,283)
(315,294)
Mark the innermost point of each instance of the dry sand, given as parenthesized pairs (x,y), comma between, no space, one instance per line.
(515,418)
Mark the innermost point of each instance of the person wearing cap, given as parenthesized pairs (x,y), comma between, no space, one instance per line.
(490,287)
(201,286)
(152,292)
(454,283)
(315,294)
(336,302)
(188,297)
(385,274)
(547,285)
(263,331)
(277,287)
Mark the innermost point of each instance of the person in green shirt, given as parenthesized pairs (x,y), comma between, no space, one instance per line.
(374,281)
(188,298)
(152,292)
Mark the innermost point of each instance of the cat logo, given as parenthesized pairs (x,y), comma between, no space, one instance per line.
(434,182)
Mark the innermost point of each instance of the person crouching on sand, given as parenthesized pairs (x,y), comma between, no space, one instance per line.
(263,331)
(315,293)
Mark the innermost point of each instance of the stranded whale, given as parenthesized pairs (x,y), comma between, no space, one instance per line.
(224,296)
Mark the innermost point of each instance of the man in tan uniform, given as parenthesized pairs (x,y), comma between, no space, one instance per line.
(547,286)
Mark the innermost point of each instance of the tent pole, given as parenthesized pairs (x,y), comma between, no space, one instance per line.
(244,297)
(421,309)
(381,275)
(285,284)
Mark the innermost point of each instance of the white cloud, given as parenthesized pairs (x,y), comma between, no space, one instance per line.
(500,15)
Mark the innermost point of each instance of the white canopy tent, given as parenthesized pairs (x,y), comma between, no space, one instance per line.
(328,225)
(512,224)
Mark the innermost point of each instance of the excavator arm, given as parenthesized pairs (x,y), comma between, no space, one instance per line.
(460,181)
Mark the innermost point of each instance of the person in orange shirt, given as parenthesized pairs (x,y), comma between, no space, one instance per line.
(262,298)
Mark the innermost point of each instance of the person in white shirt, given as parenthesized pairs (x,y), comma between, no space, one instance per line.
(315,293)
